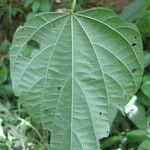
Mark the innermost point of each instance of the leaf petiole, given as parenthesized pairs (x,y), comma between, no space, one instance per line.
(73,5)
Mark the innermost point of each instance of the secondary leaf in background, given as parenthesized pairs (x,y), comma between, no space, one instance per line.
(146,58)
(132,12)
(3,73)
(2,3)
(138,136)
(148,121)
(45,6)
(146,85)
(86,62)
(144,145)
(142,98)
(112,141)
(35,6)
(144,23)
(6,89)
(4,47)
(134,136)
(27,3)
(136,9)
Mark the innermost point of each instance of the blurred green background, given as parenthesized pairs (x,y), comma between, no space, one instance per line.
(18,131)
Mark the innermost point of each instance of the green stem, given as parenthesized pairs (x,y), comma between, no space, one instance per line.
(73,5)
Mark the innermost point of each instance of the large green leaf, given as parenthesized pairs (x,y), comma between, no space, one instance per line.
(69,69)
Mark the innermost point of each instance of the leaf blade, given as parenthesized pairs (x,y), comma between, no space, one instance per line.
(75,73)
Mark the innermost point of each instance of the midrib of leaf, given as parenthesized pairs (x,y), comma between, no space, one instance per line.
(72,81)
(74,78)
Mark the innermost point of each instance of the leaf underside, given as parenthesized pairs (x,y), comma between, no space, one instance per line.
(69,69)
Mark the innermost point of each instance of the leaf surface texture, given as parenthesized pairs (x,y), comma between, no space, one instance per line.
(70,69)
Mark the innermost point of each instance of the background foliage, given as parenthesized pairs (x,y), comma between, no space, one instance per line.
(18,131)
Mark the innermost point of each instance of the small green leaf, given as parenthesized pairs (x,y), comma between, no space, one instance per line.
(142,98)
(27,3)
(146,58)
(3,2)
(134,136)
(6,90)
(35,6)
(112,141)
(16,10)
(138,135)
(145,145)
(45,6)
(4,47)
(144,23)
(3,73)
(146,85)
